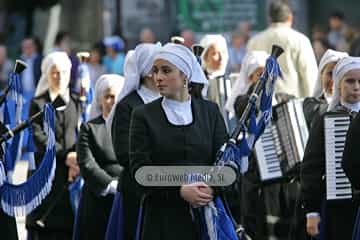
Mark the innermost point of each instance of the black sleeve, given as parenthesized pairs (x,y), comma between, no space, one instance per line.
(351,155)
(120,133)
(94,175)
(313,168)
(40,137)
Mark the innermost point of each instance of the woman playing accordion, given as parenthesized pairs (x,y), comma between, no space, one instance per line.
(334,215)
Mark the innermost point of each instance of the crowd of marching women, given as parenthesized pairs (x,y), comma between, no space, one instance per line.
(287,126)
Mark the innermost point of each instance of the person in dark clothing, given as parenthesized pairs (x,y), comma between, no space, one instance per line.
(139,89)
(339,215)
(317,105)
(175,130)
(53,219)
(8,226)
(97,161)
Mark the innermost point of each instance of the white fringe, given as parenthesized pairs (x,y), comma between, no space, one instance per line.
(2,173)
(210,213)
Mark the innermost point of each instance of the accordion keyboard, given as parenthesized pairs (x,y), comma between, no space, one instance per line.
(338,185)
(267,154)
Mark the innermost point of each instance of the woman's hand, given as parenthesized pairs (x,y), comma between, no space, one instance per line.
(74,169)
(197,193)
(312,225)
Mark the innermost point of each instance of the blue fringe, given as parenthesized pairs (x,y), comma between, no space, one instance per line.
(19,200)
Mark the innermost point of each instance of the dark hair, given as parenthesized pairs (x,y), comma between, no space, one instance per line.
(338,14)
(60,37)
(279,10)
(195,89)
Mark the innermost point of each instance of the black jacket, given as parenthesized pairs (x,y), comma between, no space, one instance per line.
(313,107)
(120,139)
(98,166)
(60,217)
(155,141)
(340,214)
(351,163)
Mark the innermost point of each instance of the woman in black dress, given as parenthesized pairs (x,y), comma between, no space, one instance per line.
(54,218)
(318,104)
(339,215)
(175,130)
(98,164)
(139,88)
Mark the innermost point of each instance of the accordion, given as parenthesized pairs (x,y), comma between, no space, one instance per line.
(280,149)
(338,185)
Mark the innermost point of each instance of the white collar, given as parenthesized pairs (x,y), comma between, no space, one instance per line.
(147,95)
(178,113)
(355,107)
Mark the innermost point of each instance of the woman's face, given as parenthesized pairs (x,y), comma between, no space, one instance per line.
(256,75)
(350,87)
(107,101)
(326,78)
(213,57)
(54,78)
(168,78)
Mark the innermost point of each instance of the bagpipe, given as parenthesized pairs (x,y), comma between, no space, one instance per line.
(21,199)
(217,223)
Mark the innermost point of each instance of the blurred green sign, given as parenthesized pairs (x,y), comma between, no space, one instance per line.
(220,15)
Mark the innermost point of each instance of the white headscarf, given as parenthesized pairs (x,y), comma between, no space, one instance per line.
(105,82)
(138,63)
(251,62)
(62,61)
(219,41)
(328,57)
(184,60)
(343,66)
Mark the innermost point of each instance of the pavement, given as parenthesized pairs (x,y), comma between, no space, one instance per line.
(19,177)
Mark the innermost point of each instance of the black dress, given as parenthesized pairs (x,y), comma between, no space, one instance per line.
(351,163)
(7,226)
(340,214)
(120,139)
(155,141)
(313,107)
(98,166)
(55,211)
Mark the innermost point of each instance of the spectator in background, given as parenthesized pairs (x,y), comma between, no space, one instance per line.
(6,66)
(237,51)
(320,46)
(31,75)
(147,36)
(63,44)
(319,42)
(115,57)
(96,68)
(188,36)
(340,33)
(298,63)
